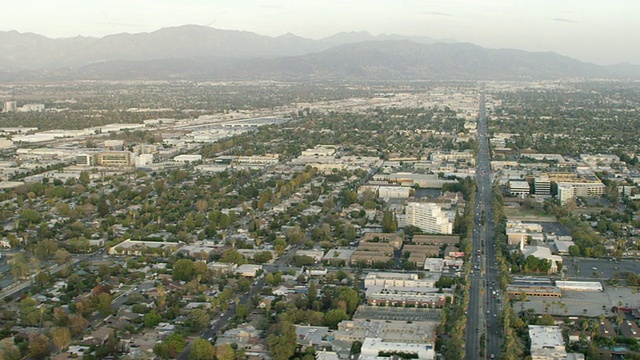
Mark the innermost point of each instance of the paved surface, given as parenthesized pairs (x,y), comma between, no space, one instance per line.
(483,306)
(583,268)
(582,303)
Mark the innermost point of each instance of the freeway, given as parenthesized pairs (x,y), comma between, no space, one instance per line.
(484,293)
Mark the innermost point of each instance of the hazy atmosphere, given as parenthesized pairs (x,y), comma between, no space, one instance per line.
(588,30)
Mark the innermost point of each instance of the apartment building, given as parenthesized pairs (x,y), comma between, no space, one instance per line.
(428,217)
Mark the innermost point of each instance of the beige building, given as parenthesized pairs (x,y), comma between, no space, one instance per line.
(115,159)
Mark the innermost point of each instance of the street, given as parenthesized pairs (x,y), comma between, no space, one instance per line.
(484,294)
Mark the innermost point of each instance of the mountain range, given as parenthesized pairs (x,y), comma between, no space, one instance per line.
(204,53)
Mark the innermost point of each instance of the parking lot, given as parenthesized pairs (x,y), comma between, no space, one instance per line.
(553,227)
(599,269)
(582,303)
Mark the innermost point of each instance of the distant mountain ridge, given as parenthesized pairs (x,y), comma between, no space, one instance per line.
(198,52)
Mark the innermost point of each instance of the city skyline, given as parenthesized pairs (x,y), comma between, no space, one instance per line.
(590,31)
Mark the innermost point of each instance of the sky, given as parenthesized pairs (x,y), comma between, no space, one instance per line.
(598,31)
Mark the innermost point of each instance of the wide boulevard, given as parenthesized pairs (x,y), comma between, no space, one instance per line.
(483,334)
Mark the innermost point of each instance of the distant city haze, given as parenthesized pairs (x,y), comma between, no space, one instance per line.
(597,31)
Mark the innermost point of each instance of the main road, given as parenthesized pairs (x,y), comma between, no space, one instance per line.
(483,338)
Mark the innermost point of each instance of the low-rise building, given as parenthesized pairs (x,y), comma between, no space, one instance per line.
(373,347)
(390,279)
(436,239)
(248,270)
(406,297)
(387,330)
(547,343)
(519,188)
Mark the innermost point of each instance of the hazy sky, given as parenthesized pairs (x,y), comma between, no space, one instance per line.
(599,31)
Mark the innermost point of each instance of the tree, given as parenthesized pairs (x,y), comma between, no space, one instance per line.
(232,256)
(20,267)
(282,340)
(269,279)
(44,249)
(161,350)
(242,311)
(225,352)
(351,299)
(279,245)
(152,319)
(62,256)
(198,319)
(574,250)
(389,222)
(30,216)
(103,303)
(294,235)
(201,350)
(349,197)
(29,314)
(334,316)
(312,293)
(77,324)
(61,337)
(263,257)
(84,177)
(175,344)
(9,350)
(546,319)
(103,208)
(39,346)
(183,270)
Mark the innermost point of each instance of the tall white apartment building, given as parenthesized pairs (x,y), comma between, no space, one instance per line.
(428,217)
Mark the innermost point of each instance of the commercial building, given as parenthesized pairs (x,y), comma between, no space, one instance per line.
(387,330)
(271,159)
(547,343)
(428,217)
(518,232)
(373,347)
(389,279)
(85,159)
(188,158)
(406,297)
(542,185)
(519,188)
(393,192)
(143,160)
(115,159)
(583,182)
(579,285)
(531,290)
(544,253)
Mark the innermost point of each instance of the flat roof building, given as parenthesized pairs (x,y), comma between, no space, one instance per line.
(372,347)
(428,217)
